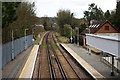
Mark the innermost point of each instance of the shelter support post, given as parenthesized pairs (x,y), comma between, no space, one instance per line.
(112,68)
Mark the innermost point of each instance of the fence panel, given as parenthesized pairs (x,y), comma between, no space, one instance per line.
(6,52)
(18,47)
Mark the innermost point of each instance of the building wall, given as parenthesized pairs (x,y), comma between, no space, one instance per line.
(102,29)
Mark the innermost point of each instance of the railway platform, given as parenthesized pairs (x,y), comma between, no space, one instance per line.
(29,65)
(28,69)
(23,65)
(91,63)
(14,68)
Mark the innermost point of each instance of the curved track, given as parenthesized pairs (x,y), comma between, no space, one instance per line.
(54,63)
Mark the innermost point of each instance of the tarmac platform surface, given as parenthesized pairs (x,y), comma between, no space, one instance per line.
(14,68)
(93,60)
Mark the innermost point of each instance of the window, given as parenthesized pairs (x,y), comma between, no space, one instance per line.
(106,27)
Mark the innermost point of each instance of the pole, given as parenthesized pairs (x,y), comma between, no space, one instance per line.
(12,46)
(89,29)
(25,39)
(89,50)
(74,39)
(33,30)
(112,70)
(78,37)
(71,35)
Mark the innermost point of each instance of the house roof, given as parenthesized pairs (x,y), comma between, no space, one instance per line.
(95,26)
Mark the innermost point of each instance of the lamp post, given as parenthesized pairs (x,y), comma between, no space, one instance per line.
(74,39)
(12,46)
(77,29)
(13,54)
(89,50)
(71,35)
(25,38)
(33,28)
(78,36)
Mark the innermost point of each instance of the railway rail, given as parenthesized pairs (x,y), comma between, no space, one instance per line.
(54,63)
(56,67)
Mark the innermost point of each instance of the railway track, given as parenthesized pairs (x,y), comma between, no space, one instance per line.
(78,69)
(41,70)
(54,63)
(57,69)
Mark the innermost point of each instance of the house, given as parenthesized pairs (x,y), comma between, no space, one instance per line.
(98,27)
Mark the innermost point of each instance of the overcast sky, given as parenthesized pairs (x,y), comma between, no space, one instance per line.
(51,7)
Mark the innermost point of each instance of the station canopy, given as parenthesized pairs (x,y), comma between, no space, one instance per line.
(108,42)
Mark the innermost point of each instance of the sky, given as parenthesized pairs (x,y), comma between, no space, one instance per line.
(51,7)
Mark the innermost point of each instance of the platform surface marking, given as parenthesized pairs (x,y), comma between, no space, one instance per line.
(29,66)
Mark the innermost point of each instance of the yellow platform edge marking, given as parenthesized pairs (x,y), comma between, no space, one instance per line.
(33,52)
(88,67)
(26,64)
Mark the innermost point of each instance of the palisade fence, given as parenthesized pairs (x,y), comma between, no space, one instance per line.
(15,47)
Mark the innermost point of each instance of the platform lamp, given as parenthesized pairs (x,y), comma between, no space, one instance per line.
(33,29)
(26,38)
(77,35)
(71,38)
(89,50)
(13,54)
